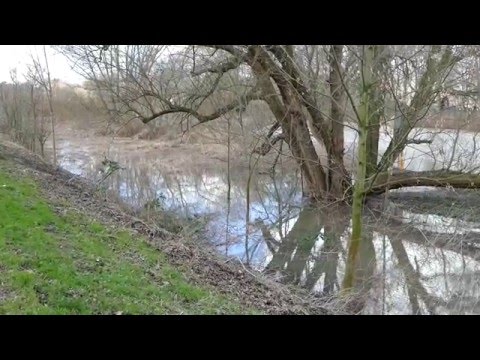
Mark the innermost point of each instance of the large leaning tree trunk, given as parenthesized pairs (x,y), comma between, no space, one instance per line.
(311,92)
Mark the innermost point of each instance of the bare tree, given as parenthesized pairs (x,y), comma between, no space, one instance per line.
(16,112)
(314,94)
(142,84)
(39,74)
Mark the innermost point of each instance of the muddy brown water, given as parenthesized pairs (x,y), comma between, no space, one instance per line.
(413,260)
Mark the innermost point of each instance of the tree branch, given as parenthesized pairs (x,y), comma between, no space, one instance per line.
(223,67)
(277,51)
(435,72)
(251,95)
(230,49)
(268,144)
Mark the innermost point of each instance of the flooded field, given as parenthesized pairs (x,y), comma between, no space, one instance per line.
(415,259)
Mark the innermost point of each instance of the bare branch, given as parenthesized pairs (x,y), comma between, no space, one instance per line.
(251,95)
(268,144)
(229,48)
(221,68)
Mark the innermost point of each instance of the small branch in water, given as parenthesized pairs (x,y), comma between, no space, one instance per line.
(110,167)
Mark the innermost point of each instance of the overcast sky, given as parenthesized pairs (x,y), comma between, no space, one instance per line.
(17,56)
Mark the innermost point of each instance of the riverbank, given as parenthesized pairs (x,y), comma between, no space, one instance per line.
(65,250)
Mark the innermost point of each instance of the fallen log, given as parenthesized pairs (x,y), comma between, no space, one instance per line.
(437,178)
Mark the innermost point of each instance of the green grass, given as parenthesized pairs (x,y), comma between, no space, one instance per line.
(70,264)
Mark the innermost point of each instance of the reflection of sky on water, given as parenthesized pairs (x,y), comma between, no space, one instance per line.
(190,195)
(441,224)
(446,274)
(434,156)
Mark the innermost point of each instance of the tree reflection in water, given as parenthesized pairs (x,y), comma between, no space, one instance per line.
(312,254)
(410,263)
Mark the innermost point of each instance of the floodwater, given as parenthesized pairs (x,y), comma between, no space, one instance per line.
(411,262)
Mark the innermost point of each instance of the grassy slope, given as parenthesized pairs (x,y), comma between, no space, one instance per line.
(70,264)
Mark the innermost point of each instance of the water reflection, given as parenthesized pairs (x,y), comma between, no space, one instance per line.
(438,149)
(274,199)
(410,262)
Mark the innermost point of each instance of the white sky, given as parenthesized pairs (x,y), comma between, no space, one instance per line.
(17,56)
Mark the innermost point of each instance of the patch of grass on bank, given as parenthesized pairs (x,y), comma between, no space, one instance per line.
(69,264)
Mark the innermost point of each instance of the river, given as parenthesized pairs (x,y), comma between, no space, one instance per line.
(412,262)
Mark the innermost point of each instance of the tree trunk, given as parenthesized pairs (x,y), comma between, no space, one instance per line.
(47,83)
(338,179)
(359,188)
(287,109)
(373,137)
(34,115)
(297,136)
(53,139)
(377,109)
(42,137)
